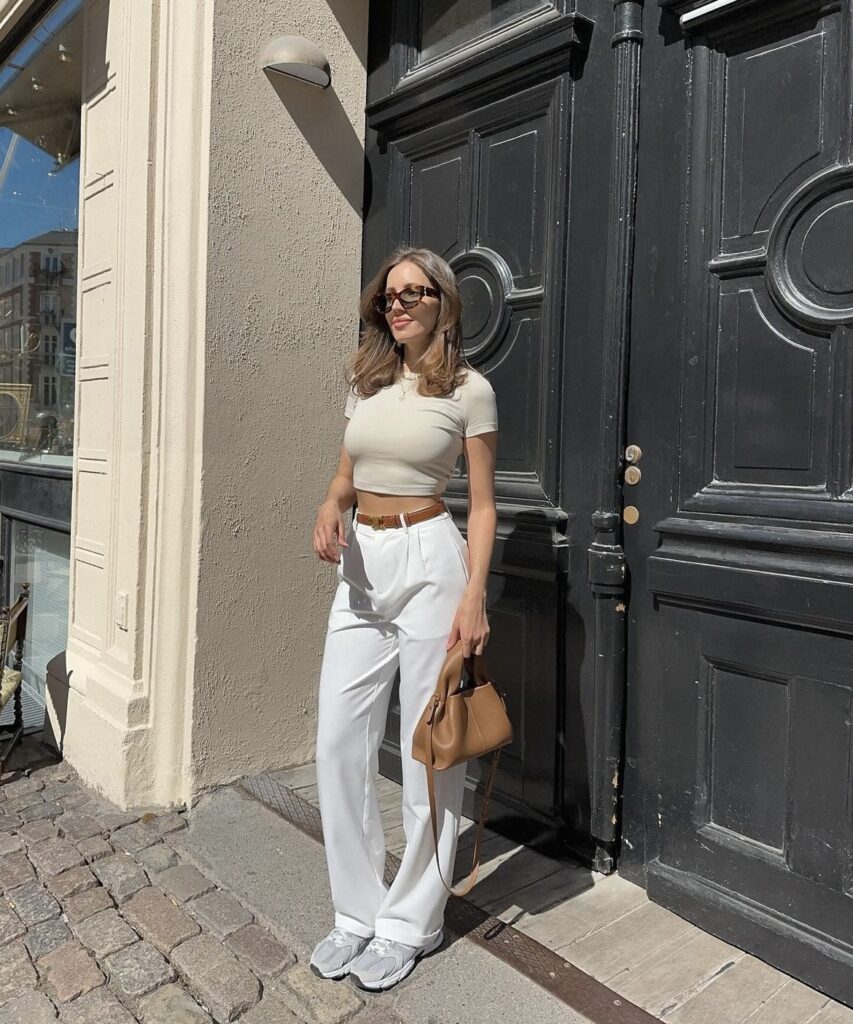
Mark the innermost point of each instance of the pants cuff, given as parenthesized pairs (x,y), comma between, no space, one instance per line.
(351,925)
(397,931)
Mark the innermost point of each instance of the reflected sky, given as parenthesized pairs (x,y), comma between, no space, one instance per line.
(40,128)
(32,200)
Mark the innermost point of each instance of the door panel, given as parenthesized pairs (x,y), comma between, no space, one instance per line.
(484,183)
(495,238)
(439,214)
(765,125)
(740,746)
(780,121)
(764,362)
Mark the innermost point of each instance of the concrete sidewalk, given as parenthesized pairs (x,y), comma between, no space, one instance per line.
(279,875)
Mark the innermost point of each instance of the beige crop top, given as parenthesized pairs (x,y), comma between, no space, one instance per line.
(401,442)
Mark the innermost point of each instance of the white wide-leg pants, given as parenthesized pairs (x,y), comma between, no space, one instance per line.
(397,594)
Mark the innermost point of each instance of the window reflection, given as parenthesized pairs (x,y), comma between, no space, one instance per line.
(40,557)
(40,100)
(446,24)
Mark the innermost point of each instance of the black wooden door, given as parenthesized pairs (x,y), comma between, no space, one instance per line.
(738,807)
(469,126)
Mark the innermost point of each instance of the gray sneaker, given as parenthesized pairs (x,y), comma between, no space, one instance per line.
(384,962)
(333,955)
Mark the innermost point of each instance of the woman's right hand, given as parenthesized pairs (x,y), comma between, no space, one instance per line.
(329,530)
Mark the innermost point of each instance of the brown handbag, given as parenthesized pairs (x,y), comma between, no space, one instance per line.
(460,723)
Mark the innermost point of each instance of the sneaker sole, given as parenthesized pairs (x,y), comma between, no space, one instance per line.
(333,975)
(392,979)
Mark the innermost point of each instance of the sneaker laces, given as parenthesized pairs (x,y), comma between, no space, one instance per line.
(339,937)
(379,945)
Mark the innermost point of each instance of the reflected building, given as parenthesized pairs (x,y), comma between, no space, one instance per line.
(38,330)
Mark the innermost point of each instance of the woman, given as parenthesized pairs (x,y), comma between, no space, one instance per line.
(409,589)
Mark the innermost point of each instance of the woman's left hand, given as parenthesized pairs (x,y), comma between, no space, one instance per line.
(470,625)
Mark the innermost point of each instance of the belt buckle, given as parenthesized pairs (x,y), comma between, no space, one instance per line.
(376,522)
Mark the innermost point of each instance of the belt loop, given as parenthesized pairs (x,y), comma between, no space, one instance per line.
(404,521)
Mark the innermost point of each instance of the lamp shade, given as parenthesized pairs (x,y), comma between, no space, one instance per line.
(296,57)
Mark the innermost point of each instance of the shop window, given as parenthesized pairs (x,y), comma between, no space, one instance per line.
(39,185)
(447,24)
(39,556)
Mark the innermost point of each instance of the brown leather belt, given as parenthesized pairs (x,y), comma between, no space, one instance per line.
(389,521)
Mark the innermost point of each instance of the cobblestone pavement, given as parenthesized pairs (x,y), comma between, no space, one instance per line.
(102,923)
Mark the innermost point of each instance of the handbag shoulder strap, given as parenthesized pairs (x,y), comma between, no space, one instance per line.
(475,860)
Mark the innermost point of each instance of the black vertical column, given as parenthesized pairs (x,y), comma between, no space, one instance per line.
(607,572)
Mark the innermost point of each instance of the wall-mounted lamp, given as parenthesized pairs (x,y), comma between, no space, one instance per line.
(297,58)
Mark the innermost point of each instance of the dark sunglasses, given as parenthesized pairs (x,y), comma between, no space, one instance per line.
(409,297)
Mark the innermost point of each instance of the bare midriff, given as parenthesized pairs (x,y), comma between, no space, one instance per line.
(373,504)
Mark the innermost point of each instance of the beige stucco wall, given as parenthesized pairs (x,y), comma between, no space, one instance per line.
(216,211)
(283,274)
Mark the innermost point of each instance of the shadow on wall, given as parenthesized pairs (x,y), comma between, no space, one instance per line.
(56,702)
(325,126)
(351,15)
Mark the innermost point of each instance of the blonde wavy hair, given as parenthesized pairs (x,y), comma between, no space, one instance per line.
(378,360)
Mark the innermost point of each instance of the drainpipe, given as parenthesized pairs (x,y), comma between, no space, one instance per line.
(607,569)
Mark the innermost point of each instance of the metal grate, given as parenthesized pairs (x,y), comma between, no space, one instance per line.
(563,980)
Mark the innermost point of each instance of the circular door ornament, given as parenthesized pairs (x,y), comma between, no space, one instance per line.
(485,281)
(810,251)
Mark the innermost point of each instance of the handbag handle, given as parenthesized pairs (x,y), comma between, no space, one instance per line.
(475,860)
(470,664)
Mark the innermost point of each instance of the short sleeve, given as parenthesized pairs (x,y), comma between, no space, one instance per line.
(481,407)
(352,401)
